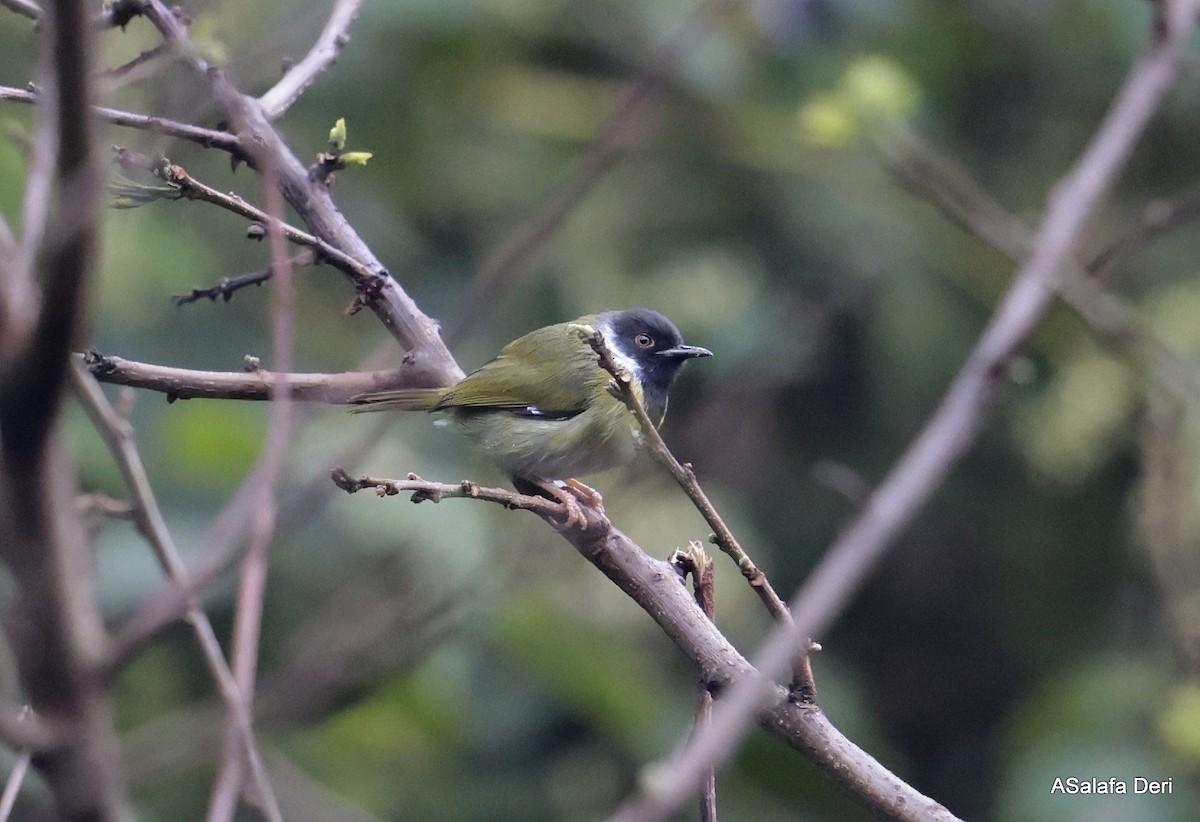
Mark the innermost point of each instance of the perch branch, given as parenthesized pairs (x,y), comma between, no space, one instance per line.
(803,687)
(656,587)
(953,427)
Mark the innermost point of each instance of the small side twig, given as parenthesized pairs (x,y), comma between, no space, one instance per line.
(228,286)
(146,64)
(694,561)
(426,491)
(192,189)
(803,687)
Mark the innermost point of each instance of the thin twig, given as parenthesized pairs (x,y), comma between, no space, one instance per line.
(225,289)
(158,611)
(251,596)
(939,180)
(12,787)
(206,137)
(504,264)
(696,562)
(950,431)
(367,281)
(426,491)
(118,435)
(320,57)
(147,64)
(1159,217)
(804,689)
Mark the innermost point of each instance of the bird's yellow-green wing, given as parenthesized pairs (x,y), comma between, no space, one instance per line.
(550,371)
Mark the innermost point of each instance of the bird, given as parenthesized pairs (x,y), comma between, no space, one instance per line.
(544,410)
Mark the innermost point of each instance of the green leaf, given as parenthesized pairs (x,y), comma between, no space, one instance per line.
(337,134)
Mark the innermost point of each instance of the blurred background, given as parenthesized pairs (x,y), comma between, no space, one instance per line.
(458,662)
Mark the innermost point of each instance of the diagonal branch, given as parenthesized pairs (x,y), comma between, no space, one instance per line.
(118,436)
(320,57)
(656,587)
(804,689)
(505,263)
(952,429)
(937,179)
(415,331)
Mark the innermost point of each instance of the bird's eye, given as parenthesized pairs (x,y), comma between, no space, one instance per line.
(644,340)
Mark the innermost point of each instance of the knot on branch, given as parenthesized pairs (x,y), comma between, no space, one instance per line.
(367,291)
(97,363)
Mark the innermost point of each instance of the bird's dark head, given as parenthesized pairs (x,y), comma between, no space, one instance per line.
(648,345)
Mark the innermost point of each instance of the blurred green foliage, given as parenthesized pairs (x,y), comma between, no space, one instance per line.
(1033,622)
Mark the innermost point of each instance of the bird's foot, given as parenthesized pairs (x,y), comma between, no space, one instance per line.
(586,493)
(569,493)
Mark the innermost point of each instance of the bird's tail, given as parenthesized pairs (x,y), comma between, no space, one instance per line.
(403,399)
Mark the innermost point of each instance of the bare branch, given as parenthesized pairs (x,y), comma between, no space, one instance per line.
(12,787)
(247,627)
(655,586)
(206,137)
(225,289)
(25,8)
(396,310)
(118,435)
(937,179)
(367,282)
(952,428)
(803,687)
(53,622)
(320,57)
(255,384)
(505,263)
(695,561)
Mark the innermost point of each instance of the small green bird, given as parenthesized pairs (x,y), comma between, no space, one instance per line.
(542,410)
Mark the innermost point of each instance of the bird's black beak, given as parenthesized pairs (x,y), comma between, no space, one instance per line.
(685,352)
